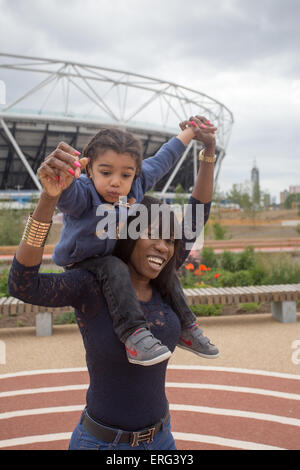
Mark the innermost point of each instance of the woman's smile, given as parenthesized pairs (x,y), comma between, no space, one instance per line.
(156,262)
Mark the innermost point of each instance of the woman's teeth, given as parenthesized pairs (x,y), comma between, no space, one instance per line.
(155,260)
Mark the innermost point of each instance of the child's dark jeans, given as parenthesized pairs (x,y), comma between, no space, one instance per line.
(127,315)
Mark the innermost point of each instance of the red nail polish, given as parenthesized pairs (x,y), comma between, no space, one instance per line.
(72,172)
(193,123)
(203,126)
(57,178)
(77,164)
(76,152)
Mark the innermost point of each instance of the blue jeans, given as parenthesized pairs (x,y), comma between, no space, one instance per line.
(82,440)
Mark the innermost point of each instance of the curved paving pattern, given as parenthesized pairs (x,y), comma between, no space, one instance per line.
(211,408)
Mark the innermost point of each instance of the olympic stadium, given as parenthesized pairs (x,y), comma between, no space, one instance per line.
(45,101)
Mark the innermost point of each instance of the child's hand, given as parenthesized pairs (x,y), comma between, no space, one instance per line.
(59,168)
(204,131)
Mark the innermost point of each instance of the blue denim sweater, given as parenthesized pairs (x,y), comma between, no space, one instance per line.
(79,203)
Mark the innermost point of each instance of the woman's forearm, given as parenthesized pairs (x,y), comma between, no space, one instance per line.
(203,189)
(27,254)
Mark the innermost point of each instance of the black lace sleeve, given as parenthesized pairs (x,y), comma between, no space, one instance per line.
(193,222)
(49,290)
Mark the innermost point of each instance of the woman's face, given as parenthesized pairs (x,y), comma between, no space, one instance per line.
(150,256)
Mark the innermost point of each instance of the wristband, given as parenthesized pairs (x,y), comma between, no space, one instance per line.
(35,233)
(206,159)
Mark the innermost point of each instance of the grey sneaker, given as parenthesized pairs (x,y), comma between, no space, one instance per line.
(193,340)
(143,349)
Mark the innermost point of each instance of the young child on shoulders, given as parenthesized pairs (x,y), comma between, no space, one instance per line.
(116,169)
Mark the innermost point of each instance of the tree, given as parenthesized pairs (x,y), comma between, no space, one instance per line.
(292,200)
(180,197)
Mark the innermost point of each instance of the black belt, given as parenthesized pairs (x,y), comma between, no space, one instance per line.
(105,434)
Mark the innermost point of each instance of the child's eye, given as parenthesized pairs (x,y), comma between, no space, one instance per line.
(105,173)
(126,176)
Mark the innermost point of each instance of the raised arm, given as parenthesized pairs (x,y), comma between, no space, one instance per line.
(203,189)
(59,175)
(156,167)
(25,282)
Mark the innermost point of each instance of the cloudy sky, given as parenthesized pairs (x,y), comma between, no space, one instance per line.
(244,54)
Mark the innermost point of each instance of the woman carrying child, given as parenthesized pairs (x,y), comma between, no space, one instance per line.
(126,404)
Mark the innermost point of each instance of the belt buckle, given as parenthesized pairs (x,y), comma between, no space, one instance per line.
(143,436)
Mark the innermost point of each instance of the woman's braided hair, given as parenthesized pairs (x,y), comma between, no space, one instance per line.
(118,140)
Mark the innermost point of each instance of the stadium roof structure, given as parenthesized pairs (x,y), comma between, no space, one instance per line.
(54,100)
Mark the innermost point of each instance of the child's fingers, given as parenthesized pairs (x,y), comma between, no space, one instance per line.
(204,121)
(83,162)
(204,124)
(185,124)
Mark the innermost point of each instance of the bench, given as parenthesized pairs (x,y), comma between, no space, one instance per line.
(43,315)
(282,297)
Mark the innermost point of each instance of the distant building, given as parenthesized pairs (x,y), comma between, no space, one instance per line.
(255,184)
(294,189)
(283,195)
(254,174)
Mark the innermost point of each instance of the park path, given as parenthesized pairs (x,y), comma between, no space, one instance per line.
(211,408)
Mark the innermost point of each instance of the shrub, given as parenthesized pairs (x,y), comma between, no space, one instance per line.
(209,258)
(11,227)
(206,310)
(250,306)
(219,231)
(258,275)
(245,260)
(65,318)
(3,283)
(228,261)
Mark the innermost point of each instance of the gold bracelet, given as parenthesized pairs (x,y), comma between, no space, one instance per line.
(203,158)
(35,233)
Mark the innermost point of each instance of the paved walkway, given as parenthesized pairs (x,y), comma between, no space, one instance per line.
(248,398)
(255,341)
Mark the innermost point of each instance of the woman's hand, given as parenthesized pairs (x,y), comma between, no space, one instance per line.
(204,131)
(59,169)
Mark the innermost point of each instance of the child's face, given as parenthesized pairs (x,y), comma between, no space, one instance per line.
(113,174)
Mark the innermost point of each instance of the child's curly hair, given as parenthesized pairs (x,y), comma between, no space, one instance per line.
(114,139)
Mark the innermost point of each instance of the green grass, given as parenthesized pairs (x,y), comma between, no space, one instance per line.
(206,310)
(65,318)
(250,307)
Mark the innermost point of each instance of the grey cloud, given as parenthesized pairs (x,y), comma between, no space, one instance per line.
(190,42)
